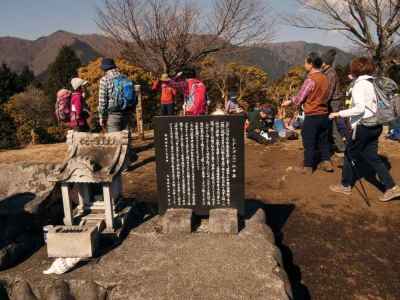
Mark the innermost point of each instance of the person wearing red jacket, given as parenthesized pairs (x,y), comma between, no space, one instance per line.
(194,92)
(168,94)
(77,120)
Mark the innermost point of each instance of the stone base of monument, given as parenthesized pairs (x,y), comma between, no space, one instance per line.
(168,266)
(182,220)
(223,220)
(73,241)
(177,220)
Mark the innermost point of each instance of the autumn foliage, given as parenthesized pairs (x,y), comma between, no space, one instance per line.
(249,83)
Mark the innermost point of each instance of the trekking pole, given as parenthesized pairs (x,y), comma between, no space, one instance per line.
(353,165)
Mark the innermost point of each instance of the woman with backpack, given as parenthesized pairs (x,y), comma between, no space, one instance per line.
(364,141)
(78,113)
(194,92)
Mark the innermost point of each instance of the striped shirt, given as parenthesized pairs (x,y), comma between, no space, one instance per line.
(106,90)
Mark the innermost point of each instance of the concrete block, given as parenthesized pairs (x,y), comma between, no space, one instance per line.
(72,241)
(223,220)
(177,220)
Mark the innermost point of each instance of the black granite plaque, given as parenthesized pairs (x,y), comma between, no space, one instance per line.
(200,162)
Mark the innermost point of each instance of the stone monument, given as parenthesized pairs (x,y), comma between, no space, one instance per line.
(200,169)
(94,165)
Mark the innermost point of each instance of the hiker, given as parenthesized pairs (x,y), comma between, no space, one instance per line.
(116,98)
(194,92)
(363,146)
(335,100)
(316,126)
(232,106)
(258,125)
(219,110)
(79,114)
(168,94)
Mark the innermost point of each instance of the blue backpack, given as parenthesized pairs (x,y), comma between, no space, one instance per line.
(124,92)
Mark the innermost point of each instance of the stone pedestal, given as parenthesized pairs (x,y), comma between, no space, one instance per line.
(223,220)
(72,241)
(177,220)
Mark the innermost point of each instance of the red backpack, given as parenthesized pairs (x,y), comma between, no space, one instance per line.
(196,103)
(63,105)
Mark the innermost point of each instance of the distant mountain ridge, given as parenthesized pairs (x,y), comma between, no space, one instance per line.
(278,58)
(274,58)
(38,54)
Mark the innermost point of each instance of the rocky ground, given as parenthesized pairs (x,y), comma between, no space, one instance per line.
(333,247)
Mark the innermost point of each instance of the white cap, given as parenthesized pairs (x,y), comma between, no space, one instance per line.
(78,82)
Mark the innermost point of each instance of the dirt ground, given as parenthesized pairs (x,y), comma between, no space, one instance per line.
(334,247)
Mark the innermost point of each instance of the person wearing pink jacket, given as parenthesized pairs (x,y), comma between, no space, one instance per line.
(78,121)
(194,92)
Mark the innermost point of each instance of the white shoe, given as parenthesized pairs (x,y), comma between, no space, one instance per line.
(62,265)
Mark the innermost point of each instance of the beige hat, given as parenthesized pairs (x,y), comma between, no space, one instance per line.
(78,82)
(165,77)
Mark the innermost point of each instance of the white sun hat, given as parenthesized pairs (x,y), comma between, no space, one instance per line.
(77,83)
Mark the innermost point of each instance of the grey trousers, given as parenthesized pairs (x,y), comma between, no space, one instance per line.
(117,121)
(337,138)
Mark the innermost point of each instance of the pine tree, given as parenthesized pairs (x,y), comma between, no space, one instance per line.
(25,78)
(8,83)
(61,71)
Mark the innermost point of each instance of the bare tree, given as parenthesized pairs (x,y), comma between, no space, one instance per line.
(372,25)
(165,35)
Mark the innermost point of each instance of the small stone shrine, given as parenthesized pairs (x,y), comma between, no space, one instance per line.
(93,167)
(200,169)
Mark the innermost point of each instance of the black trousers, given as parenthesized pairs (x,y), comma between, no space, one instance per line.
(256,137)
(364,148)
(167,109)
(315,134)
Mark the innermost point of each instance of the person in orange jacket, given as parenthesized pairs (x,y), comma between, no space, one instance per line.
(168,94)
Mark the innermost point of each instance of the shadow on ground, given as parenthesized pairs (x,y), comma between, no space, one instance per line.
(277,216)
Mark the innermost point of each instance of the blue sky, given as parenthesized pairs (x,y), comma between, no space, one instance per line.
(31,19)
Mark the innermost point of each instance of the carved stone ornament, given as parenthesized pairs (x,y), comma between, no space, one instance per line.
(93,158)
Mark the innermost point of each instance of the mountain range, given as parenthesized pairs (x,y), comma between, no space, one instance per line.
(274,58)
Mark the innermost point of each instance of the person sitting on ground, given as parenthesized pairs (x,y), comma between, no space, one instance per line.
(79,114)
(112,116)
(257,106)
(194,92)
(219,111)
(168,94)
(258,126)
(364,144)
(282,126)
(315,132)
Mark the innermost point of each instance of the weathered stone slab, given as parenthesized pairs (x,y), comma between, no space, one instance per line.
(223,220)
(177,220)
(24,187)
(72,241)
(21,290)
(149,265)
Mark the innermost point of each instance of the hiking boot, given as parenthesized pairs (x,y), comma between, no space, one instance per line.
(303,170)
(391,194)
(326,166)
(341,189)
